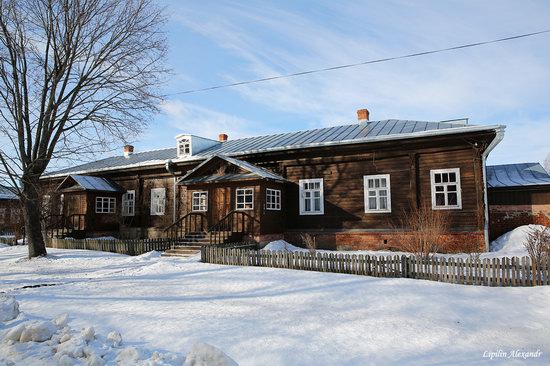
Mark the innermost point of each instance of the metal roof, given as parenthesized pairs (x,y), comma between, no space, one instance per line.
(255,172)
(363,132)
(89,183)
(7,194)
(517,175)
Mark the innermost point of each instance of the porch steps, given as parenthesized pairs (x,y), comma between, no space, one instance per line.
(186,250)
(191,244)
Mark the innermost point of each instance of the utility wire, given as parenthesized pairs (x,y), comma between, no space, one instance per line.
(469,45)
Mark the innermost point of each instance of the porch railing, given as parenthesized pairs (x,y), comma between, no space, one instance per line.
(191,223)
(61,226)
(235,222)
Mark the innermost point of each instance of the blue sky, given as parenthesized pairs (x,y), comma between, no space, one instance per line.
(215,42)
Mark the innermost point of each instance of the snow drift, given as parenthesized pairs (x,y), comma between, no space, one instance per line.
(512,243)
(54,342)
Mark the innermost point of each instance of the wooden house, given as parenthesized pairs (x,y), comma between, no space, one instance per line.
(346,185)
(11,221)
(519,194)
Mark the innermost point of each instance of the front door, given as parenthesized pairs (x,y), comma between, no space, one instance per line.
(221,204)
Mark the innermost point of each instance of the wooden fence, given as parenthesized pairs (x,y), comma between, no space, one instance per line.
(129,247)
(486,272)
(8,240)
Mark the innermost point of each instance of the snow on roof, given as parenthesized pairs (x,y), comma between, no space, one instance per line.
(7,194)
(517,175)
(89,183)
(373,131)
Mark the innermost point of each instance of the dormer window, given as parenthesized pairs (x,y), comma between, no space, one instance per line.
(188,145)
(184,146)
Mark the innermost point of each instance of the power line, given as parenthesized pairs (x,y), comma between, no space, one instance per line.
(469,45)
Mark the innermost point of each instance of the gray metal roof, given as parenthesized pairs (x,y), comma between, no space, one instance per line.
(7,194)
(89,183)
(255,172)
(339,135)
(517,175)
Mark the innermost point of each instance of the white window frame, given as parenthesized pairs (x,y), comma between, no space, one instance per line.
(377,195)
(100,207)
(129,203)
(158,201)
(184,143)
(273,204)
(245,192)
(303,198)
(458,206)
(199,206)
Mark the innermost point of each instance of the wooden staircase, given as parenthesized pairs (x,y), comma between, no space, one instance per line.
(194,232)
(190,244)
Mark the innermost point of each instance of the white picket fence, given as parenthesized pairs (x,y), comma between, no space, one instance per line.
(485,272)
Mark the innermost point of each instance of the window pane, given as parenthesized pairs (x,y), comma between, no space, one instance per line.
(317,204)
(383,182)
(452,177)
(437,177)
(307,205)
(383,192)
(371,183)
(453,199)
(451,188)
(383,203)
(445,177)
(372,203)
(377,183)
(372,193)
(440,199)
(439,188)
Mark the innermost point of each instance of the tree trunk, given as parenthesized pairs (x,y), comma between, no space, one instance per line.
(33,228)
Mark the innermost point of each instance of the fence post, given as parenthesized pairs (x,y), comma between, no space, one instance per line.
(404,266)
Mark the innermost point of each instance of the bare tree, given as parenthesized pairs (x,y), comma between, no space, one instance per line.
(547,163)
(421,230)
(310,242)
(75,76)
(537,244)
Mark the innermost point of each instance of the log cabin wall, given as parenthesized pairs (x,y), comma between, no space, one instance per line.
(513,207)
(344,222)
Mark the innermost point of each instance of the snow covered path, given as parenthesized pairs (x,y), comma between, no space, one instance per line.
(264,316)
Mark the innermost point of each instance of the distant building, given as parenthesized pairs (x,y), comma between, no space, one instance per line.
(519,194)
(11,220)
(346,185)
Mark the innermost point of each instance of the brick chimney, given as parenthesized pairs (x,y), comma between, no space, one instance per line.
(222,137)
(363,115)
(128,150)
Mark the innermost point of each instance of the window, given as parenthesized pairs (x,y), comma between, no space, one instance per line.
(61,203)
(158,198)
(245,199)
(377,193)
(311,197)
(129,203)
(200,201)
(446,192)
(273,199)
(105,204)
(184,146)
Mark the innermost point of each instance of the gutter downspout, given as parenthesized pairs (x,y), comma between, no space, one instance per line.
(498,138)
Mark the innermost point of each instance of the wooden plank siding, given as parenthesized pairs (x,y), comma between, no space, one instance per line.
(342,168)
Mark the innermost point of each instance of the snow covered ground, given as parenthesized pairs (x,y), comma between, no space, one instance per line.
(266,316)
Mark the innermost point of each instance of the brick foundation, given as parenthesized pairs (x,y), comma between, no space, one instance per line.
(504,218)
(457,242)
